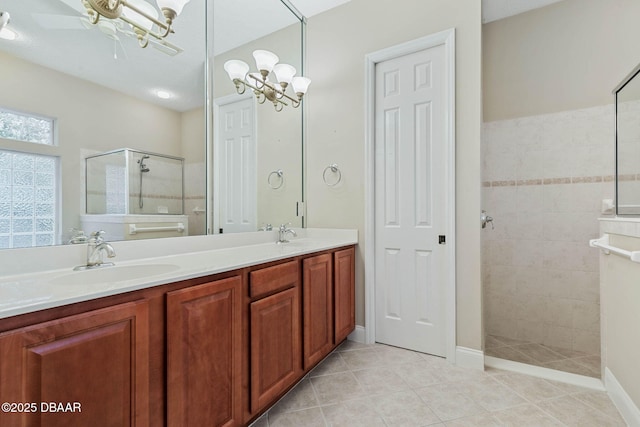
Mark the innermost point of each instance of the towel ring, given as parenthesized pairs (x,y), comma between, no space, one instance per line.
(333,168)
(280,174)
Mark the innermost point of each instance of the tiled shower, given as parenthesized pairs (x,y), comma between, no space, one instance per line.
(544,181)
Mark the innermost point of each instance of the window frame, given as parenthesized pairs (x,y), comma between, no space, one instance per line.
(38,149)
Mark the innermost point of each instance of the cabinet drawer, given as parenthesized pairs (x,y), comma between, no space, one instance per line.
(271,279)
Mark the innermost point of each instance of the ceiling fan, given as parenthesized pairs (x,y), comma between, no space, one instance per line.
(111,28)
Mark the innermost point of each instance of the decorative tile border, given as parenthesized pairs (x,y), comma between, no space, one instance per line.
(557,181)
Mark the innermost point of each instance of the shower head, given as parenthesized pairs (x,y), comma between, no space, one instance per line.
(143,167)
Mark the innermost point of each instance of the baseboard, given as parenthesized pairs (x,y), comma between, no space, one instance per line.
(621,399)
(358,335)
(547,374)
(469,358)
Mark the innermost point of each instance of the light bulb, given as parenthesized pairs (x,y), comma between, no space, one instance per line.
(175,5)
(300,84)
(236,69)
(284,73)
(265,60)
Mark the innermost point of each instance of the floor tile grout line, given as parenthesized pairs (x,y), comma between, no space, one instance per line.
(551,415)
(595,408)
(315,393)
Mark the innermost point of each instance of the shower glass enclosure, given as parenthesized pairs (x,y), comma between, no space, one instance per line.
(128,181)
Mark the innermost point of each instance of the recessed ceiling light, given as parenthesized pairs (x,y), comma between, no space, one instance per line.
(163,94)
(8,34)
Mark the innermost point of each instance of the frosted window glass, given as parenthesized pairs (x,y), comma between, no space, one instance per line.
(22,195)
(23,178)
(23,225)
(28,188)
(44,239)
(22,241)
(26,127)
(5,177)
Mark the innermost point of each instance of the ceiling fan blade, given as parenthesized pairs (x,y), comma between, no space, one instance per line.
(122,49)
(165,47)
(58,22)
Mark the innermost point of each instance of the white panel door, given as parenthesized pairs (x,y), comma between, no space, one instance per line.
(237,166)
(410,201)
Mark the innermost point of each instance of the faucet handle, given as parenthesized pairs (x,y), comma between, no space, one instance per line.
(97,235)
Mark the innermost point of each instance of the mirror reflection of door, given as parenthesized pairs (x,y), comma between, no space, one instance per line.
(236,159)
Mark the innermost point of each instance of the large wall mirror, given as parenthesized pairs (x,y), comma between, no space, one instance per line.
(95,127)
(258,150)
(628,145)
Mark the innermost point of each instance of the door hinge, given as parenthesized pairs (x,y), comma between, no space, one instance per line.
(442,239)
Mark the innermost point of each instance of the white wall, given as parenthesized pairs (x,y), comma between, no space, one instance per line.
(337,42)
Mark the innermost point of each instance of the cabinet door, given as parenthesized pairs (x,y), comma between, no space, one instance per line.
(275,346)
(345,293)
(204,331)
(317,302)
(93,366)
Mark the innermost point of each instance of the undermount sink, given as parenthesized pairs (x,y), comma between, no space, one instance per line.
(113,274)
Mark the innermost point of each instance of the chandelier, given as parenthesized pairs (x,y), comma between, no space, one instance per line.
(139,14)
(264,90)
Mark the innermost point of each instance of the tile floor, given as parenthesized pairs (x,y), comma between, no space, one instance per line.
(556,358)
(378,385)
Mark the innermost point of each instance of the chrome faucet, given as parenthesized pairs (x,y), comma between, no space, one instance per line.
(95,251)
(282,233)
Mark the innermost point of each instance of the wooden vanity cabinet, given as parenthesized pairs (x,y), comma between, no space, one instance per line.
(317,308)
(204,354)
(345,293)
(95,363)
(214,351)
(274,321)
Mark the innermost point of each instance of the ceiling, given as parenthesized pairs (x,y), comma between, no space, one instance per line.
(492,10)
(51,34)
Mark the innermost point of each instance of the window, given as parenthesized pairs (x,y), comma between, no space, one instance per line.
(26,127)
(28,183)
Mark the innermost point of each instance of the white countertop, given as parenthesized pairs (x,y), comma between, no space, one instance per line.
(182,258)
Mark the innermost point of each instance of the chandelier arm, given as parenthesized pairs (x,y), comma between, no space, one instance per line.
(159,23)
(241,86)
(143,41)
(276,90)
(95,18)
(148,32)
(168,31)
(261,99)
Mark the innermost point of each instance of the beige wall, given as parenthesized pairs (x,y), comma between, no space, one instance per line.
(90,119)
(621,311)
(337,42)
(565,56)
